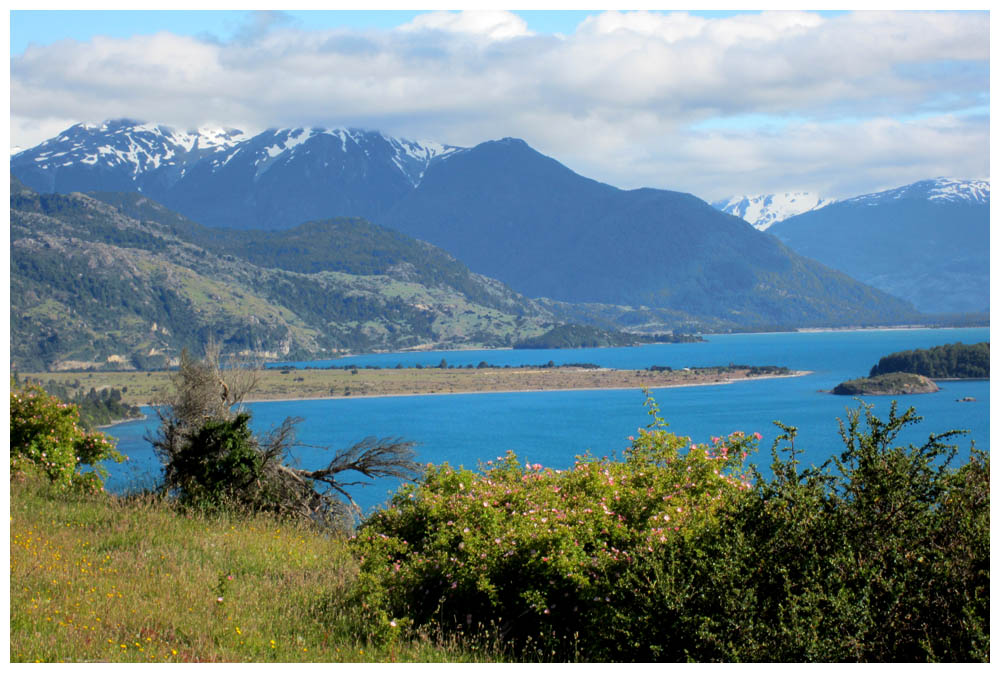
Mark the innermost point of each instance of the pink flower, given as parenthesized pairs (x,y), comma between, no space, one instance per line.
(758,436)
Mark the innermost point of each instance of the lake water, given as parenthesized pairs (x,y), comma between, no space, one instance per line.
(552,428)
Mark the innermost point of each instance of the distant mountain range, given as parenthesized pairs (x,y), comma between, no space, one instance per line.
(926,242)
(502,208)
(765,209)
(222,178)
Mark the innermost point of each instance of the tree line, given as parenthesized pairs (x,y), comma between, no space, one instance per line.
(950,361)
(96,407)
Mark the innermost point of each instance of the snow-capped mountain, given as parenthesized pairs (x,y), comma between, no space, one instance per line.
(126,147)
(277,146)
(765,209)
(927,242)
(223,177)
(500,207)
(939,190)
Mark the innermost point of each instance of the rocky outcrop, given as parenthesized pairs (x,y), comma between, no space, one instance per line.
(897,383)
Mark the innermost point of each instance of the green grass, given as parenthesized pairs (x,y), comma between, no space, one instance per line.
(99,578)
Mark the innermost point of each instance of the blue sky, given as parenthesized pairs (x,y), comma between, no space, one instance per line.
(714,103)
(44,27)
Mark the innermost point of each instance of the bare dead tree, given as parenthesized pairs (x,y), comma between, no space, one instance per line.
(205,388)
(210,457)
(371,457)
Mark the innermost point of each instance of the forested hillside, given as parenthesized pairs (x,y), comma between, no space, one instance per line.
(93,286)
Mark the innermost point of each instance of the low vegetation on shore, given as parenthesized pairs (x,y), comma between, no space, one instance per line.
(588,336)
(671,552)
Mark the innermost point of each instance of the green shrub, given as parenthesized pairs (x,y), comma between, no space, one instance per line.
(46,436)
(220,464)
(880,555)
(537,555)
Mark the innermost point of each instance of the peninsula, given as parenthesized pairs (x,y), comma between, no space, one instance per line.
(287,384)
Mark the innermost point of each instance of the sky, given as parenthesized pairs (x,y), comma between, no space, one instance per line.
(712,103)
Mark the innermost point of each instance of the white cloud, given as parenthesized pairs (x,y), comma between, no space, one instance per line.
(494,25)
(623,99)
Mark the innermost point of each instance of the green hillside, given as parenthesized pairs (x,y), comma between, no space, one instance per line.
(93,285)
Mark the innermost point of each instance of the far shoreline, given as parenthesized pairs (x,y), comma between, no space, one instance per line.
(120,421)
(706,336)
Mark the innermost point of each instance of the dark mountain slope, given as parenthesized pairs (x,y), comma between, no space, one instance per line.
(320,178)
(514,214)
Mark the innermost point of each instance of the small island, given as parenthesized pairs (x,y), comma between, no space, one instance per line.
(898,383)
(910,372)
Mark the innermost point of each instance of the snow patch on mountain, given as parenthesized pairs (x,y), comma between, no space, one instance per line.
(133,148)
(275,146)
(938,189)
(765,209)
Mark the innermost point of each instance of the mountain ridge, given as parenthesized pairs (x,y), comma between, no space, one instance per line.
(225,178)
(507,212)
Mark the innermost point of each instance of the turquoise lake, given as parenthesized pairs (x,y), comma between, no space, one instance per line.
(552,428)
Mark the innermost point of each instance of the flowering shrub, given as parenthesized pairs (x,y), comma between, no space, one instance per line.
(535,554)
(45,435)
(881,554)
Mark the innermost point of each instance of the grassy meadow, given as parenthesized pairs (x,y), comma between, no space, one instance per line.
(98,578)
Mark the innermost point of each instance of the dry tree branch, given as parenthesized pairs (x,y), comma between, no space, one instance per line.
(373,458)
